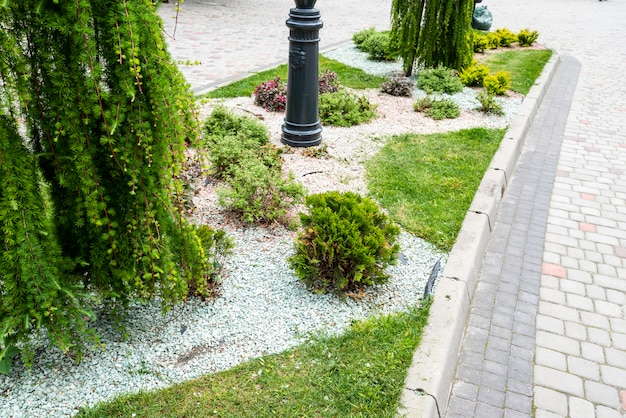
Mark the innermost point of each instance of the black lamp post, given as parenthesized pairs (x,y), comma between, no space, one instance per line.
(302,126)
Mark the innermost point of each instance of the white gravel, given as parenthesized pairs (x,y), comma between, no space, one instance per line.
(263,307)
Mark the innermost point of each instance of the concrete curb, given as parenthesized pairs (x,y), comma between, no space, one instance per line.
(429,378)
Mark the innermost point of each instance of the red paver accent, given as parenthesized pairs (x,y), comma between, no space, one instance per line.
(587,227)
(554,270)
(622,396)
(620,251)
(588,196)
(562,173)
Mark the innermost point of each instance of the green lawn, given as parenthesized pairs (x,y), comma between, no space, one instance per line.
(358,374)
(427,182)
(525,65)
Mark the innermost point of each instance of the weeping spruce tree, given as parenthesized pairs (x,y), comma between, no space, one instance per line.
(94,118)
(432,32)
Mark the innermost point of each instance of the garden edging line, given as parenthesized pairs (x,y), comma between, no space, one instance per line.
(429,378)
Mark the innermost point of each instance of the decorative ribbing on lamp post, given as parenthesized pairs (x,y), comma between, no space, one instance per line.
(302,127)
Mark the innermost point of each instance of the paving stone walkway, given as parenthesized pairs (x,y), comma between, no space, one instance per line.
(546,336)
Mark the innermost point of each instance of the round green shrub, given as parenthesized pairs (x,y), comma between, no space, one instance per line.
(439,80)
(360,37)
(437,108)
(474,75)
(497,83)
(345,243)
(526,37)
(378,47)
(342,108)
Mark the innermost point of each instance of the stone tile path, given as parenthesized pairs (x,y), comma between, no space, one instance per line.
(547,330)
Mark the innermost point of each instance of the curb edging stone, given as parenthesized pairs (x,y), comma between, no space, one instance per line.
(429,378)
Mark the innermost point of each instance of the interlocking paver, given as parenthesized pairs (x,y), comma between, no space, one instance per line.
(547,377)
(580,408)
(551,401)
(583,368)
(602,394)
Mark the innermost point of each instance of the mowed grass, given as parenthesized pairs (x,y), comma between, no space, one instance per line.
(358,374)
(427,182)
(348,76)
(524,65)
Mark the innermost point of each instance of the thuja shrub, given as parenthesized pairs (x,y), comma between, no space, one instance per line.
(474,75)
(271,95)
(497,83)
(438,109)
(398,86)
(328,82)
(439,80)
(526,37)
(507,38)
(345,109)
(344,244)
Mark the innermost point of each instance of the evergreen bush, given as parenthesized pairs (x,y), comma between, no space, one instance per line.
(250,167)
(497,83)
(479,40)
(360,37)
(378,47)
(439,80)
(507,38)
(526,37)
(474,75)
(345,109)
(344,244)
(437,109)
(257,192)
(232,138)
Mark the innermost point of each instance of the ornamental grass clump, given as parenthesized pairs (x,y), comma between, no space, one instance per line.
(345,243)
